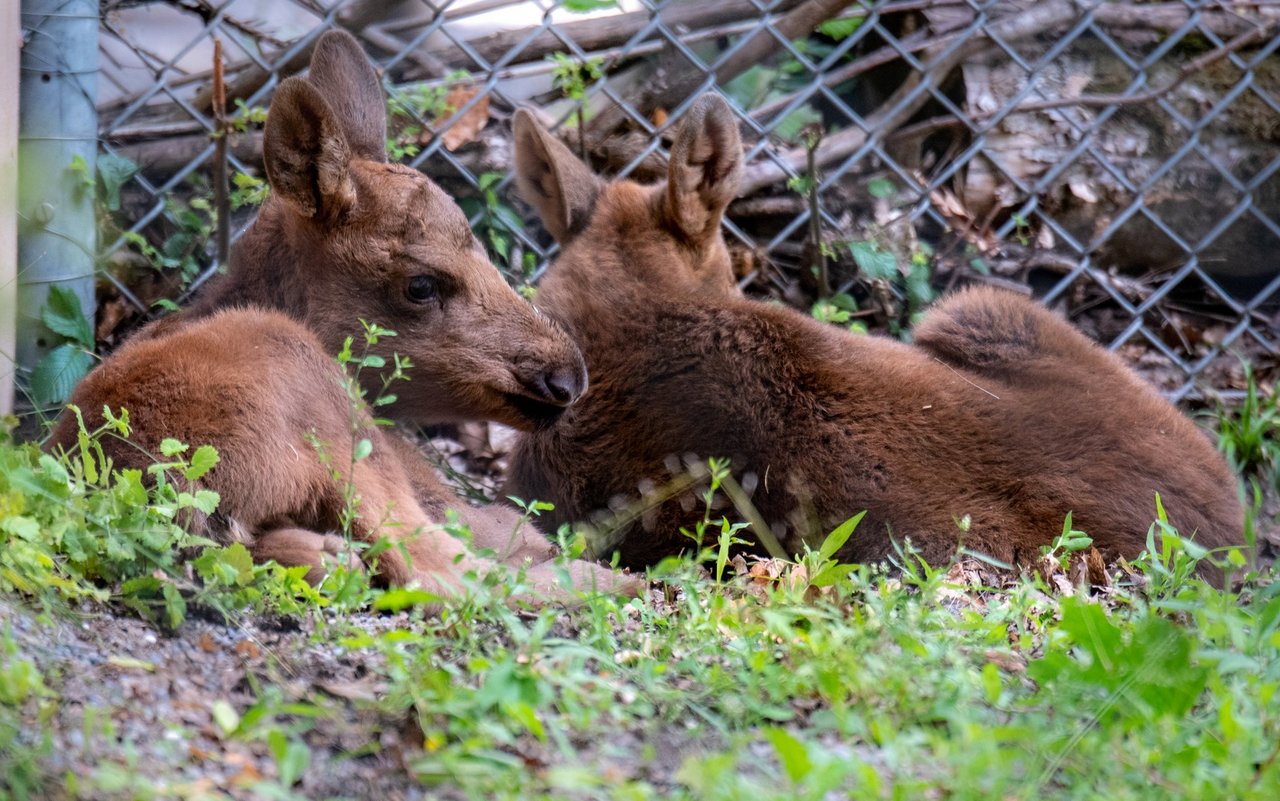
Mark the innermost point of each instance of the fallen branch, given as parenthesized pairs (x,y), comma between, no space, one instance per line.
(1258,34)
(795,24)
(914,94)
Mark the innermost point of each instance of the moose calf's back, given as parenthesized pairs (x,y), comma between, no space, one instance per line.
(1001,413)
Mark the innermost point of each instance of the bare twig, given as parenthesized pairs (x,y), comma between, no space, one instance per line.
(221,198)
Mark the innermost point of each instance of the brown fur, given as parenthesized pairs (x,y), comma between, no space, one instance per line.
(344,236)
(1001,412)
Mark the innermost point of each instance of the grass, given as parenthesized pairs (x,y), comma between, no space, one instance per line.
(730,681)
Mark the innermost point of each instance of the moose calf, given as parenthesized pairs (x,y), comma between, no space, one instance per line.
(343,237)
(1000,414)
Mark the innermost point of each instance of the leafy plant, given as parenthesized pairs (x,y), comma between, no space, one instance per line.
(571,76)
(58,371)
(410,107)
(74,527)
(1249,434)
(498,225)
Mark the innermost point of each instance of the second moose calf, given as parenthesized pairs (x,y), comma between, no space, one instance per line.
(1000,414)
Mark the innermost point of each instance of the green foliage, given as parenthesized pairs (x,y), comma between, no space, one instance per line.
(1249,434)
(498,225)
(584,6)
(58,371)
(410,107)
(248,190)
(75,527)
(571,76)
(841,27)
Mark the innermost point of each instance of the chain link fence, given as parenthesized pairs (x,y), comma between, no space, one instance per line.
(1118,159)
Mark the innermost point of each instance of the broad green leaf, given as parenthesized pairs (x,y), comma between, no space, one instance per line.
(202,461)
(114,171)
(836,539)
(363,448)
(873,262)
(841,28)
(788,130)
(56,375)
(225,716)
(171,447)
(63,315)
(791,753)
(881,187)
(402,598)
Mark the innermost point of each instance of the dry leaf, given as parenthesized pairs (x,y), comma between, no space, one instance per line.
(352,690)
(465,128)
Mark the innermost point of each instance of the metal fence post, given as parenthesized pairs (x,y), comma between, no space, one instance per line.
(56,229)
(10,39)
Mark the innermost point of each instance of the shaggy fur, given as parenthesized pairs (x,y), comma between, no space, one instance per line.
(1001,412)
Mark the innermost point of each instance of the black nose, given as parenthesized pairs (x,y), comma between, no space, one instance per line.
(561,386)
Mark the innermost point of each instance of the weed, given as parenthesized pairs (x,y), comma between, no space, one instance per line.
(1249,435)
(499,226)
(58,371)
(571,76)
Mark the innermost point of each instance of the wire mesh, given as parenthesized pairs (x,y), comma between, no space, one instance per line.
(1119,159)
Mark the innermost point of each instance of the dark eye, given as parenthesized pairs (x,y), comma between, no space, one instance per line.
(422,289)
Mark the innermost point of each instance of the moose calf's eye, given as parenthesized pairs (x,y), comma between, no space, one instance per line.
(422,288)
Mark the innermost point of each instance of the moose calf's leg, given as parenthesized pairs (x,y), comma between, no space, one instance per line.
(294,547)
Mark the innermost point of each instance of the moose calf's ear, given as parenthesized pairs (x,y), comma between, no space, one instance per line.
(306,153)
(346,78)
(705,168)
(550,178)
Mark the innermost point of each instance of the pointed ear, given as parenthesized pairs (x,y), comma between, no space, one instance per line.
(306,153)
(346,78)
(550,178)
(705,168)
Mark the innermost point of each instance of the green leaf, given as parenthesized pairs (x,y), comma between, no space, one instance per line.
(836,539)
(841,28)
(292,757)
(584,6)
(114,172)
(873,262)
(206,501)
(791,753)
(202,461)
(171,447)
(56,375)
(881,187)
(363,448)
(63,314)
(788,130)
(402,598)
(226,717)
(175,606)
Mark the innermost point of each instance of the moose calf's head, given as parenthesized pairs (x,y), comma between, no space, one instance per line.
(622,242)
(346,236)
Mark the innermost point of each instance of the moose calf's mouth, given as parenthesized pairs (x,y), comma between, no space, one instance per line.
(540,414)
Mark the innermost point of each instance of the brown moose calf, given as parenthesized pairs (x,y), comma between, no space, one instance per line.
(1000,413)
(344,237)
